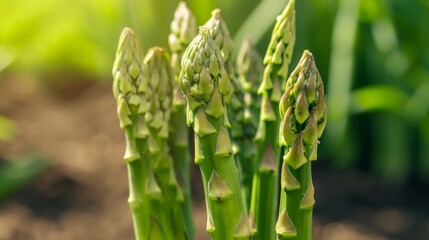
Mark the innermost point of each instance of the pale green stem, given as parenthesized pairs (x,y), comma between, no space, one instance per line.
(247,168)
(265,184)
(225,213)
(178,142)
(138,209)
(137,177)
(169,205)
(291,200)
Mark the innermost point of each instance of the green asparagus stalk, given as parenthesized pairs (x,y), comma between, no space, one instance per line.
(142,88)
(304,114)
(128,72)
(157,118)
(183,30)
(205,83)
(249,69)
(265,182)
(220,34)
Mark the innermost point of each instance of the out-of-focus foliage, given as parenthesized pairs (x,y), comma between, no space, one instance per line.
(52,35)
(7,128)
(14,174)
(389,72)
(6,57)
(48,36)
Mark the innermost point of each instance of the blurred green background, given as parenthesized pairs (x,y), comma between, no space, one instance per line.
(372,54)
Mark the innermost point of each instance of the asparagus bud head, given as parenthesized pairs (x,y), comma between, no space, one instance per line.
(279,51)
(249,66)
(159,89)
(203,77)
(303,112)
(183,29)
(220,34)
(128,70)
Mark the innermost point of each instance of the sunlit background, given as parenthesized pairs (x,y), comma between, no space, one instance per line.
(61,169)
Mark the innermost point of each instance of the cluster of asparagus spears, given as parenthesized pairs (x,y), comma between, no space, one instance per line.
(255,131)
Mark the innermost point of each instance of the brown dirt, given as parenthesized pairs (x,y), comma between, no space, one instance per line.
(83,193)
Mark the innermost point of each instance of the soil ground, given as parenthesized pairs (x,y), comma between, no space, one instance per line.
(83,193)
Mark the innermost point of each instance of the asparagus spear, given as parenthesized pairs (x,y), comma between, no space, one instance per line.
(183,30)
(265,182)
(143,92)
(249,69)
(304,115)
(205,83)
(157,118)
(220,34)
(128,72)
